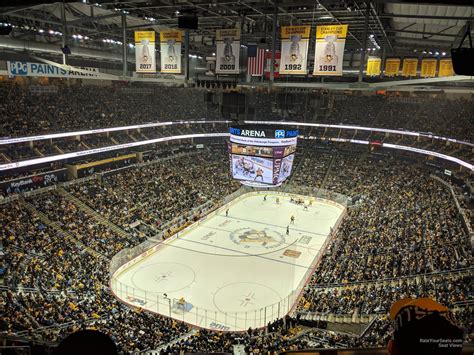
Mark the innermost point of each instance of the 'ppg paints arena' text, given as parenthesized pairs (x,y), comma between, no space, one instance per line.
(279,133)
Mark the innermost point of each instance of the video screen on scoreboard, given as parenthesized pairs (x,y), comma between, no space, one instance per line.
(289,150)
(286,166)
(261,155)
(251,168)
(252,150)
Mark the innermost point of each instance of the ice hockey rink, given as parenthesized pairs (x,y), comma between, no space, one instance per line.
(232,272)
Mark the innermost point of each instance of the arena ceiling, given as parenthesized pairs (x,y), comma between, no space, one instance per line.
(396,26)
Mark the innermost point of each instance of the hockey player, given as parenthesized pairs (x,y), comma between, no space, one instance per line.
(259,174)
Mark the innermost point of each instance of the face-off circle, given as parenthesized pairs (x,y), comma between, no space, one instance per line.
(163,276)
(242,297)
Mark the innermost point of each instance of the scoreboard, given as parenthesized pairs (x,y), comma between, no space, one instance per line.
(261,156)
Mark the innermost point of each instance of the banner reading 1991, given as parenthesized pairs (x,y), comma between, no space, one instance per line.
(294,49)
(170,48)
(329,49)
(145,52)
(227,51)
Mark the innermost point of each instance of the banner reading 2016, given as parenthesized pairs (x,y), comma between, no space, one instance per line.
(227,51)
(294,49)
(145,52)
(329,49)
(170,48)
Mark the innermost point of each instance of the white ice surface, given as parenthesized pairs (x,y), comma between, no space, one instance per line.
(231,280)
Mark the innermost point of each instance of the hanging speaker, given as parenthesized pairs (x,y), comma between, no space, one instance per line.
(188,22)
(5,30)
(463,58)
(66,50)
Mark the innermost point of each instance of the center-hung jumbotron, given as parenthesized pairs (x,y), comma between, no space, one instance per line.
(261,156)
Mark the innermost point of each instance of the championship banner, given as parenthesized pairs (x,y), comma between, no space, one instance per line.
(445,67)
(409,67)
(373,66)
(428,68)
(294,49)
(145,52)
(329,49)
(227,51)
(392,66)
(170,48)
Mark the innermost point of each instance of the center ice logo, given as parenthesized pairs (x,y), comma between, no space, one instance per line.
(252,237)
(280,133)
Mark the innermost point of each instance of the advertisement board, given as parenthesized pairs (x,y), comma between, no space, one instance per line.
(20,68)
(34,181)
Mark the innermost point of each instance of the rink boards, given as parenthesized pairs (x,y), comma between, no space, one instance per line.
(234,272)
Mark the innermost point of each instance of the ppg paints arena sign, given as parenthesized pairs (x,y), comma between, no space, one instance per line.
(263,132)
(49,70)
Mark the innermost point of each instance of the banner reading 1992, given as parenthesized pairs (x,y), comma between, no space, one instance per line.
(170,48)
(145,52)
(294,49)
(227,51)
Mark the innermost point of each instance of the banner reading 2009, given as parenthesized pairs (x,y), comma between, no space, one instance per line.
(145,52)
(294,49)
(227,51)
(329,49)
(170,48)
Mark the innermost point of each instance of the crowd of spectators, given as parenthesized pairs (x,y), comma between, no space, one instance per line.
(377,297)
(79,107)
(82,107)
(284,334)
(402,237)
(54,283)
(158,193)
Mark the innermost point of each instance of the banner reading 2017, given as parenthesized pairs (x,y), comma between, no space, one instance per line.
(227,51)
(294,49)
(329,49)
(145,52)
(170,48)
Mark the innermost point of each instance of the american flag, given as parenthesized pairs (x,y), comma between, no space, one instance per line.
(256,60)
